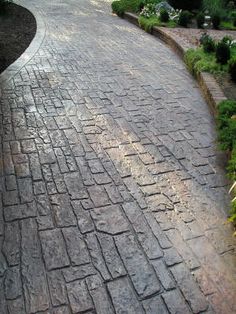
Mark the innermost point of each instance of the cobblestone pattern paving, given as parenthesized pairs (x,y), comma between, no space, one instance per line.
(113,191)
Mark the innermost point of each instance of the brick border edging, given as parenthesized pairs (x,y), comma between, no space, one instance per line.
(34,46)
(211,90)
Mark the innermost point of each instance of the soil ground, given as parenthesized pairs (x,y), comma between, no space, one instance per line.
(17,29)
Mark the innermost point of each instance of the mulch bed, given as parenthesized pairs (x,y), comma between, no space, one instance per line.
(17,29)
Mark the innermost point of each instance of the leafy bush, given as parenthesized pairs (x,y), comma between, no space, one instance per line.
(198,61)
(148,23)
(227,40)
(119,7)
(184,18)
(234,22)
(226,109)
(200,20)
(214,7)
(226,125)
(233,212)
(232,68)
(148,10)
(145,2)
(186,4)
(208,43)
(164,16)
(222,52)
(227,135)
(231,168)
(216,20)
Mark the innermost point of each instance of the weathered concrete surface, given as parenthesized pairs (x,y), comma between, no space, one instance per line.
(113,191)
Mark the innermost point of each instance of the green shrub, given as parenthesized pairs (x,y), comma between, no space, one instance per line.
(198,61)
(222,52)
(184,18)
(164,16)
(234,22)
(216,20)
(208,43)
(186,4)
(148,23)
(120,7)
(231,168)
(233,213)
(226,125)
(227,135)
(215,7)
(232,68)
(148,11)
(226,109)
(200,20)
(145,2)
(227,40)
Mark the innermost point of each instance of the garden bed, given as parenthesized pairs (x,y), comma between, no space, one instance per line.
(17,29)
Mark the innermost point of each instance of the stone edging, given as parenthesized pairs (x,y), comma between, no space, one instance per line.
(34,46)
(208,85)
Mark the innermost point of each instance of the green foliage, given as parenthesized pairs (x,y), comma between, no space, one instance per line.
(226,124)
(148,23)
(145,2)
(186,4)
(119,7)
(232,68)
(184,18)
(227,25)
(164,16)
(198,61)
(214,7)
(222,52)
(233,212)
(208,43)
(200,19)
(231,168)
(227,135)
(226,109)
(216,20)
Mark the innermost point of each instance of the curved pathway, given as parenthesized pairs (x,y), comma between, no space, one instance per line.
(113,191)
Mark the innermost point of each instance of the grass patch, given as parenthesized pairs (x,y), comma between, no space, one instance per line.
(227,25)
(148,23)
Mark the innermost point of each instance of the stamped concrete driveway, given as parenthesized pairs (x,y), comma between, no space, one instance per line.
(113,192)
